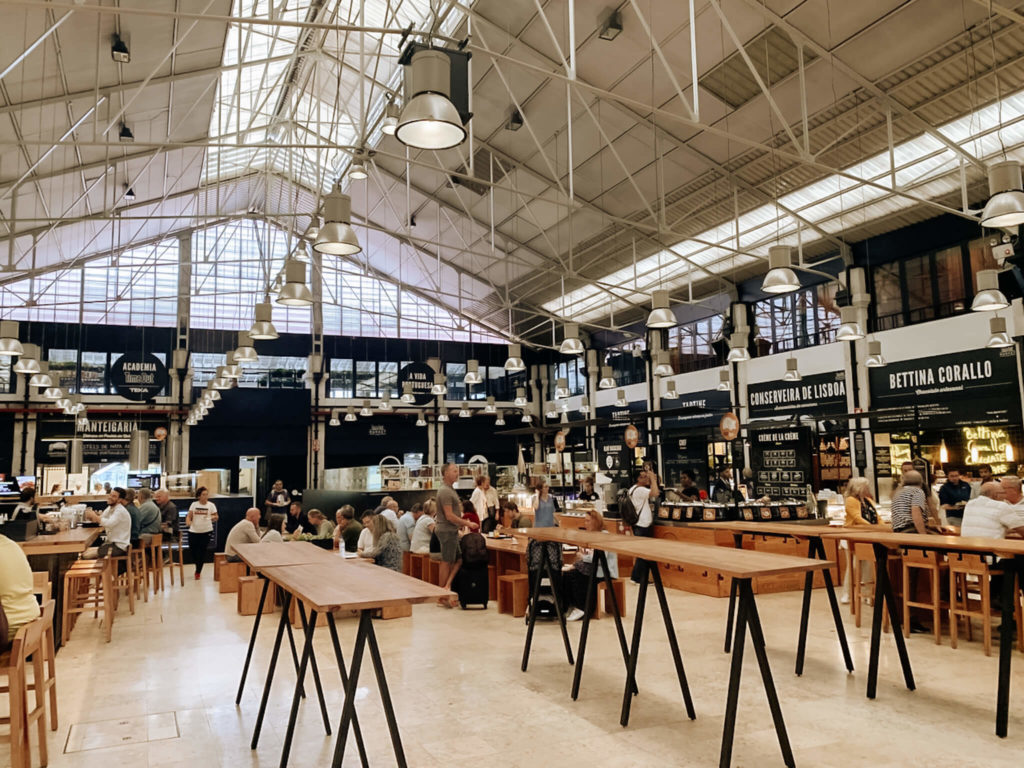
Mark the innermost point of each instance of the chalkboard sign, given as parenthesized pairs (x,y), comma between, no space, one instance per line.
(138,376)
(781,460)
(683,451)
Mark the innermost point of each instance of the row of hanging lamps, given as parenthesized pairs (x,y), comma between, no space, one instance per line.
(724,382)
(780,277)
(988,298)
(998,337)
(28,363)
(336,236)
(671,393)
(429,119)
(661,315)
(9,344)
(571,344)
(514,363)
(1005,207)
(294,292)
(473,372)
(262,324)
(607,378)
(874,358)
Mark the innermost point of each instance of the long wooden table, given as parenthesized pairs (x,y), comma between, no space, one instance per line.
(739,564)
(53,550)
(811,533)
(884,541)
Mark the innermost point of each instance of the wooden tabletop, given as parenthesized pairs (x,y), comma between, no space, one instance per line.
(340,586)
(796,530)
(506,545)
(866,535)
(737,563)
(73,540)
(275,553)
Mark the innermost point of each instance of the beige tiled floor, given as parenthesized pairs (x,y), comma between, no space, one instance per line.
(462,701)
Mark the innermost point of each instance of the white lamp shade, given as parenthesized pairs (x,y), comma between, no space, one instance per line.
(875,359)
(849,327)
(440,386)
(571,344)
(336,236)
(780,278)
(988,298)
(294,292)
(661,315)
(607,378)
(473,372)
(670,391)
(262,326)
(1005,207)
(724,382)
(999,338)
(792,371)
(515,363)
(9,344)
(28,363)
(520,396)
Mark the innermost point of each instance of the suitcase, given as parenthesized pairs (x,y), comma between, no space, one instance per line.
(471,585)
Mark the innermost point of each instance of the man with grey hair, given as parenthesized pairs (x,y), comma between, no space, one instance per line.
(1012,490)
(245,531)
(990,516)
(149,516)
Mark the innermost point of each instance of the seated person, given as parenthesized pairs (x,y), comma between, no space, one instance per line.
(348,528)
(245,531)
(384,548)
(133,513)
(17,592)
(320,527)
(406,524)
(149,516)
(117,525)
(366,535)
(687,490)
(170,518)
(990,516)
(423,529)
(275,529)
(27,506)
(469,512)
(296,519)
(576,578)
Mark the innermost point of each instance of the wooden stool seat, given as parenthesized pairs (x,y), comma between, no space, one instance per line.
(972,599)
(513,593)
(433,571)
(154,566)
(931,563)
(219,559)
(88,586)
(249,590)
(26,651)
(230,573)
(48,681)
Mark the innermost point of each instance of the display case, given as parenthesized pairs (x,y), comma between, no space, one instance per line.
(182,485)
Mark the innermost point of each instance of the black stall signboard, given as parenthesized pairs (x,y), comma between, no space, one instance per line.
(708,406)
(821,393)
(138,376)
(421,376)
(965,389)
(103,440)
(781,460)
(687,452)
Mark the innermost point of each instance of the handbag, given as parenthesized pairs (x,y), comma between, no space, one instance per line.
(867,511)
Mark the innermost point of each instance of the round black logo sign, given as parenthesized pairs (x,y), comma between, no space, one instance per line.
(138,376)
(421,376)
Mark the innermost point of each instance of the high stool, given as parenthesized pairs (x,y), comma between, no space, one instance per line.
(230,573)
(154,563)
(41,585)
(173,546)
(513,594)
(407,562)
(930,562)
(963,591)
(28,644)
(249,590)
(48,654)
(129,580)
(219,558)
(88,586)
(863,553)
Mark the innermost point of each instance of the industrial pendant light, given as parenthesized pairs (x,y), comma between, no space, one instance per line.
(520,396)
(63,402)
(53,393)
(262,325)
(875,359)
(407,396)
(490,408)
(664,367)
(335,420)
(500,421)
(443,416)
(849,329)
(1005,207)
(550,410)
(724,383)
(389,124)
(464,412)
(473,372)
(527,418)
(420,421)
(232,370)
(792,371)
(220,381)
(336,237)
(294,292)
(988,298)
(998,338)
(28,363)
(207,400)
(561,389)
(571,344)
(515,363)
(620,398)
(212,394)
(585,405)
(440,386)
(661,316)
(350,414)
(738,352)
(366,409)
(670,391)
(385,403)
(9,344)
(607,378)
(429,120)
(357,170)
(780,278)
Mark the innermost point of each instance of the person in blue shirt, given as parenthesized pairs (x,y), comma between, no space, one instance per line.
(953,496)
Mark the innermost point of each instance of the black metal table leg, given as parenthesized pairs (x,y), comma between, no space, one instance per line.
(581,649)
(291,643)
(532,617)
(270,672)
(252,641)
(757,640)
(805,612)
(316,672)
(673,643)
(340,659)
(349,709)
(307,651)
(616,612)
(737,539)
(884,600)
(735,671)
(634,648)
(837,616)
(385,696)
(1008,599)
(558,608)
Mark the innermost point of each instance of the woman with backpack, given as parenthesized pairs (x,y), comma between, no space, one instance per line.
(545,506)
(641,497)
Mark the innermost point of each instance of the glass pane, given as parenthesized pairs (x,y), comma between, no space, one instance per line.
(94,373)
(366,378)
(949,274)
(341,381)
(387,379)
(888,296)
(456,373)
(918,285)
(64,367)
(497,383)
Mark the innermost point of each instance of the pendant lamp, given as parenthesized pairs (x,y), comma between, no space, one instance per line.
(335,418)
(738,352)
(420,421)
(443,416)
(550,410)
(571,344)
(515,363)
(366,409)
(520,396)
(792,371)
(336,236)
(231,370)
(473,372)
(724,383)
(490,408)
(527,419)
(1005,207)
(661,315)
(998,338)
(429,120)
(663,367)
(561,389)
(350,414)
(440,387)
(620,398)
(9,344)
(875,359)
(407,395)
(212,394)
(28,363)
(585,405)
(607,378)
(670,391)
(389,124)
(294,292)
(464,412)
(385,403)
(780,278)
(262,325)
(849,328)
(988,298)
(500,421)
(53,393)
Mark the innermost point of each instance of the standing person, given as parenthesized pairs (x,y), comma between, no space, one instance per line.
(447,525)
(587,492)
(909,505)
(953,497)
(688,490)
(202,514)
(384,549)
(860,511)
(347,531)
(277,500)
(296,518)
(722,491)
(420,543)
(642,495)
(406,524)
(117,527)
(544,508)
(479,501)
(245,531)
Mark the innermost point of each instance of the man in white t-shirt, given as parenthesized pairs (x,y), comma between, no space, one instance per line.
(421,532)
(391,512)
(117,526)
(642,495)
(245,531)
(990,516)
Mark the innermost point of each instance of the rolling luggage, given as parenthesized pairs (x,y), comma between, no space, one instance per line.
(471,585)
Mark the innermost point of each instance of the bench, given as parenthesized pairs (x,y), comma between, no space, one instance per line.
(249,589)
(619,589)
(230,573)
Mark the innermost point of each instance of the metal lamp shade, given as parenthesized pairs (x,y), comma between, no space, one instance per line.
(295,292)
(490,408)
(620,398)
(464,412)
(571,344)
(336,236)
(407,394)
(1005,207)
(389,124)
(245,352)
(29,361)
(849,328)
(500,421)
(988,298)
(670,391)
(420,421)
(792,371)
(875,359)
(561,389)
(780,278)
(661,316)
(520,396)
(999,338)
(607,378)
(262,326)
(515,363)
(473,372)
(429,120)
(350,415)
(9,344)
(366,409)
(53,393)
(724,383)
(440,386)
(664,367)
(138,450)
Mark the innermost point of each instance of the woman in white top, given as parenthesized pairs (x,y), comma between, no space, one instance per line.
(275,529)
(366,535)
(202,514)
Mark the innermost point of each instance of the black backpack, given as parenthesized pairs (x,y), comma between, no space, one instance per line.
(474,549)
(627,510)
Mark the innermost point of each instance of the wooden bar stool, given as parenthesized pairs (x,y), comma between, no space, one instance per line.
(154,562)
(863,553)
(26,651)
(971,598)
(41,585)
(88,586)
(174,546)
(930,562)
(128,580)
(513,593)
(49,659)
